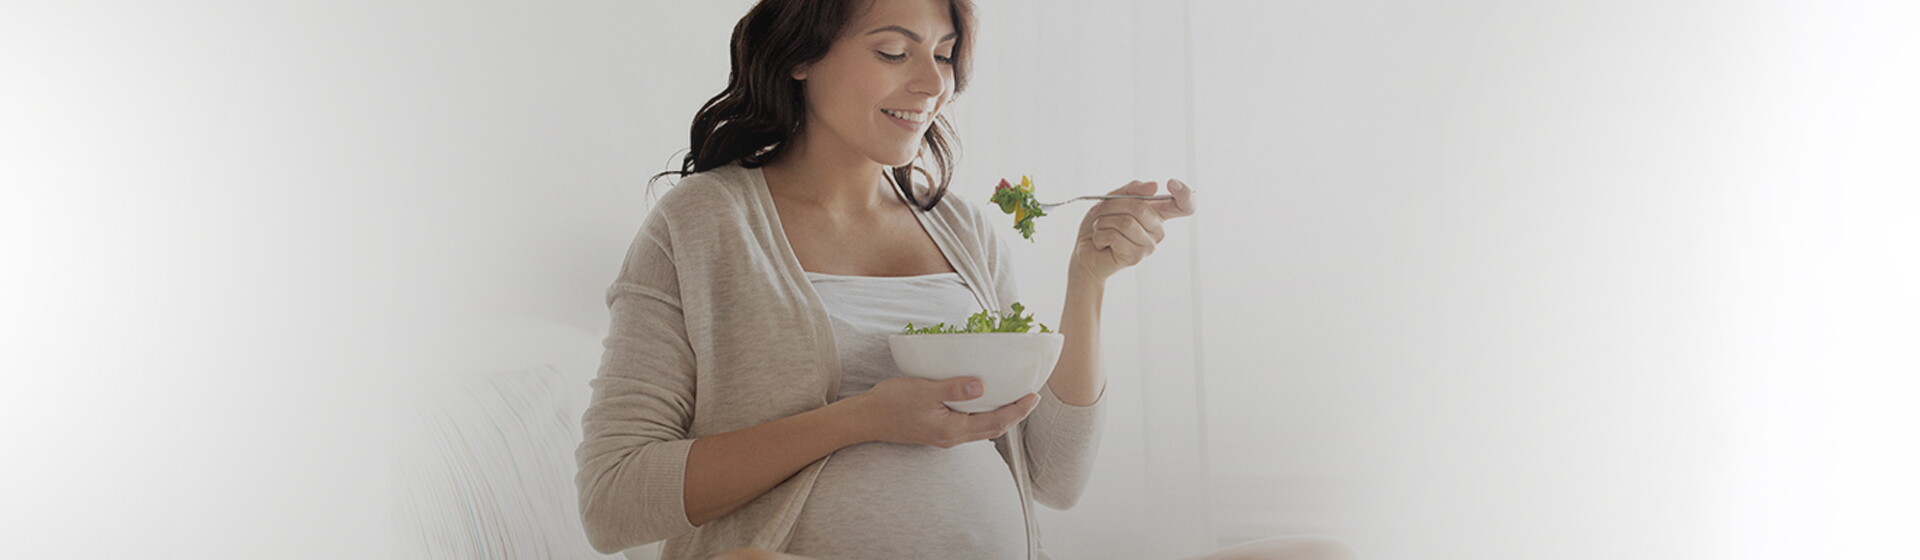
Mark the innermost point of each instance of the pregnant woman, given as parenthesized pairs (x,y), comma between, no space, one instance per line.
(747,405)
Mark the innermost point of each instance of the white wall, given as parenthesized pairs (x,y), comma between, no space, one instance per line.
(1562,280)
(1470,280)
(228,227)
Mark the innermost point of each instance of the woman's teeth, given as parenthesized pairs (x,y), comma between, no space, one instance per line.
(911,117)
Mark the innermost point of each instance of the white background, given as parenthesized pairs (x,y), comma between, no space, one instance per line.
(1470,279)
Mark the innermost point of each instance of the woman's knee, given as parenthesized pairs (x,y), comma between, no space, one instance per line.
(1298,547)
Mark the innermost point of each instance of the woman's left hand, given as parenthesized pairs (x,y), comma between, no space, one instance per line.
(1119,233)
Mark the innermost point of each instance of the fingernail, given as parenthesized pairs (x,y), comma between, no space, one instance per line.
(973,388)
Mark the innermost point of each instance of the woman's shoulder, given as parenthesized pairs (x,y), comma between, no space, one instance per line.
(703,195)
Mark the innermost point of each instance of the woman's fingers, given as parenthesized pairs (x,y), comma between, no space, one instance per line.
(1124,254)
(1180,206)
(1123,232)
(997,421)
(1027,404)
(1125,249)
(1130,242)
(1141,227)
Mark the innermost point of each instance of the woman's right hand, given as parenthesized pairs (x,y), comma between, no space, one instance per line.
(913,410)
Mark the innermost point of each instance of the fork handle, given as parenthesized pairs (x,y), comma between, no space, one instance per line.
(1045,205)
(1139,196)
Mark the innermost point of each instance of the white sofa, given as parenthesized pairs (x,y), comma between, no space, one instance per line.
(483,462)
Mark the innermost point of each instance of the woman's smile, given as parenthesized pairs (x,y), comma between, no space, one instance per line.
(904,123)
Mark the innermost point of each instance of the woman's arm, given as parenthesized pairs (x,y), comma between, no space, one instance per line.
(727,470)
(643,477)
(632,457)
(1077,379)
(1063,438)
(1062,435)
(757,554)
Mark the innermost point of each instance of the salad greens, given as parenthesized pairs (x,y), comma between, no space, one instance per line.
(983,322)
(1020,202)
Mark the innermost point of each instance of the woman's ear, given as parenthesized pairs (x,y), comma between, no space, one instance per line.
(800,73)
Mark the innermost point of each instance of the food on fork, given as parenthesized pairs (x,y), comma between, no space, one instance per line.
(1020,202)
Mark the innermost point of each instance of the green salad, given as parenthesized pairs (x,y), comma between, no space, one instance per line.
(1020,202)
(985,322)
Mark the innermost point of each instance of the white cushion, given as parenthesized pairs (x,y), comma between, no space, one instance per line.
(484,467)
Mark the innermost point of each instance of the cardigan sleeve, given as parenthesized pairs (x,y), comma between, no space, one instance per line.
(1061,440)
(633,457)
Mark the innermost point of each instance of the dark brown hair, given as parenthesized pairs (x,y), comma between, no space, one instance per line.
(763,105)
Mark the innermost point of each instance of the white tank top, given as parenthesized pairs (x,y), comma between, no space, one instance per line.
(883,500)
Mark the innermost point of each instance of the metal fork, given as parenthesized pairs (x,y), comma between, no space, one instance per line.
(1051,205)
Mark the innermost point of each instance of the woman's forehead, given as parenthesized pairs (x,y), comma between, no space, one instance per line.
(915,20)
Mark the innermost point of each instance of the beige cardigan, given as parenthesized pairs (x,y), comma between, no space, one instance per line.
(716,328)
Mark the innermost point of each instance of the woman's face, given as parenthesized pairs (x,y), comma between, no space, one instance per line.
(897,57)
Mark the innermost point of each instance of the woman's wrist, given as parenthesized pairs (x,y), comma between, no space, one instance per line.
(1076,271)
(851,421)
(1080,282)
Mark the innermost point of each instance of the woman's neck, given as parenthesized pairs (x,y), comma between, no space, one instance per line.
(841,182)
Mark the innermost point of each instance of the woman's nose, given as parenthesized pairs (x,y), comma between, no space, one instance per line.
(928,78)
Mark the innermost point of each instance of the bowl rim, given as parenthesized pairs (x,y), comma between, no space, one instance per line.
(999,334)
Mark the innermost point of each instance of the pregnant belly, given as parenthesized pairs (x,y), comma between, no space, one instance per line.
(889,500)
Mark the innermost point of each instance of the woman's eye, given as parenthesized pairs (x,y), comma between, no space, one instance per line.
(903,56)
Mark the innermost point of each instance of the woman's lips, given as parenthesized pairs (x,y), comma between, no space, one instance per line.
(907,124)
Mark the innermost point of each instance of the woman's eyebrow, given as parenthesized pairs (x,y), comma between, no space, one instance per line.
(910,34)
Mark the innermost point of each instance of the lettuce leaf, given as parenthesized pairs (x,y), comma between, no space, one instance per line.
(987,322)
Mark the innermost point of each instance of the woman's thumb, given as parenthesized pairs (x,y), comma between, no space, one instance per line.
(965,388)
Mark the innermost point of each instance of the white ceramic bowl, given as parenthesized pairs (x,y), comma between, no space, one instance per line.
(1009,365)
